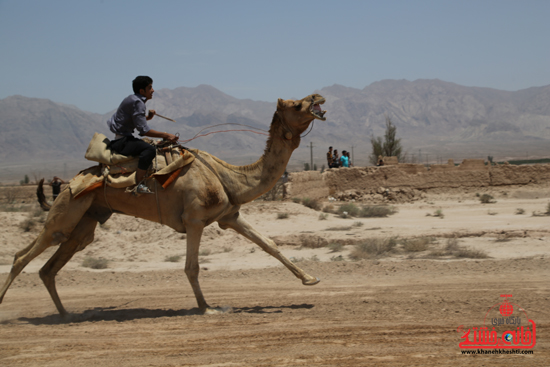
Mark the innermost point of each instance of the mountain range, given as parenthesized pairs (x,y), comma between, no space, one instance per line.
(434,118)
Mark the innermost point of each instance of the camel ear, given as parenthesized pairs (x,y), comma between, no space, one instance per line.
(280,104)
(298,105)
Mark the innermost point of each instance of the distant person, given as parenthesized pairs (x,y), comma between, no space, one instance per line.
(329,156)
(349,159)
(56,186)
(129,116)
(380,161)
(335,159)
(344,160)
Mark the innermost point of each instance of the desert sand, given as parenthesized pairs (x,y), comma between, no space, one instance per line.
(401,309)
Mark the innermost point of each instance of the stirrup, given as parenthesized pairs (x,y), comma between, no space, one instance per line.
(142,189)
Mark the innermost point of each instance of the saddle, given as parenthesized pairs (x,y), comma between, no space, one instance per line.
(119,171)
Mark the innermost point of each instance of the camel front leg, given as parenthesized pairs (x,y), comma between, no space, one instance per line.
(82,235)
(194,234)
(240,225)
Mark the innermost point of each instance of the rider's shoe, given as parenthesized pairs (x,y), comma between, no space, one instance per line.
(143,189)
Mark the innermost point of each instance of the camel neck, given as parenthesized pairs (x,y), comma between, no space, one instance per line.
(246,183)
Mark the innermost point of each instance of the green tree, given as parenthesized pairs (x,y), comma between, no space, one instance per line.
(306,166)
(390,146)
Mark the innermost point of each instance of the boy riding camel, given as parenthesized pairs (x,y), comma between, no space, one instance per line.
(130,116)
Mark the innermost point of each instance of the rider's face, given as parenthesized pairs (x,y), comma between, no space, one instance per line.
(147,92)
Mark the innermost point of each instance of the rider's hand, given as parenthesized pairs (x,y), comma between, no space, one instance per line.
(171,138)
(151,114)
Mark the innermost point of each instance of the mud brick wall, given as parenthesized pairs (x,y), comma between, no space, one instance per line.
(471,173)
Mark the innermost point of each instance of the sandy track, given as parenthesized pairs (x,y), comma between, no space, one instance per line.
(363,313)
(400,310)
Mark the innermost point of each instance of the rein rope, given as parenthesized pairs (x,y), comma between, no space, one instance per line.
(259,132)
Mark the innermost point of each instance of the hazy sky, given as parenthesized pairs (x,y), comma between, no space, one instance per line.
(86,53)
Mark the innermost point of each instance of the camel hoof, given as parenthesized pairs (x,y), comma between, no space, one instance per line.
(311,281)
(217,310)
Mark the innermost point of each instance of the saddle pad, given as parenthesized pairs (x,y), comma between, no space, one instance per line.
(99,151)
(93,178)
(86,181)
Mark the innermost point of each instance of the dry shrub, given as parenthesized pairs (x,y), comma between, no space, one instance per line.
(10,195)
(378,211)
(173,258)
(28,224)
(329,209)
(282,215)
(374,247)
(335,247)
(313,241)
(417,244)
(311,203)
(323,216)
(502,237)
(95,263)
(454,249)
(471,253)
(204,252)
(341,228)
(452,245)
(350,210)
(486,199)
(276,193)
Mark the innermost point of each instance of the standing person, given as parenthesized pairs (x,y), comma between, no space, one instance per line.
(329,157)
(344,159)
(335,159)
(349,159)
(129,116)
(56,186)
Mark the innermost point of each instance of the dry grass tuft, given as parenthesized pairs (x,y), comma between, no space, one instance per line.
(486,199)
(335,247)
(312,203)
(471,253)
(341,228)
(417,244)
(309,241)
(374,247)
(95,263)
(377,211)
(173,258)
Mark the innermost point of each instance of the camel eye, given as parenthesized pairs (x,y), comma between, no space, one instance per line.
(298,106)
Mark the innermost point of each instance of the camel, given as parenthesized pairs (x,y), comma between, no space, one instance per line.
(207,190)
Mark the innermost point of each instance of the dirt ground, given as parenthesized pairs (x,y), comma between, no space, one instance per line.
(403,309)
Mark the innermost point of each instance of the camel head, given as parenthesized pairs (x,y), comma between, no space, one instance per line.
(297,115)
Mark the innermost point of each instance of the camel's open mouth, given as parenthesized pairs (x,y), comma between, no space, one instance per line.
(316,110)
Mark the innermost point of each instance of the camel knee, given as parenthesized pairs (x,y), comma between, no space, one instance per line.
(45,276)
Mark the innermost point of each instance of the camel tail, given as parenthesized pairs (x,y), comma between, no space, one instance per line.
(41,197)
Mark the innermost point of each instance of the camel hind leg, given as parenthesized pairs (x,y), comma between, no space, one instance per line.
(23,258)
(62,219)
(17,267)
(82,235)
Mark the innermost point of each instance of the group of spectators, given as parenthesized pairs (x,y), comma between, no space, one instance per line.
(335,161)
